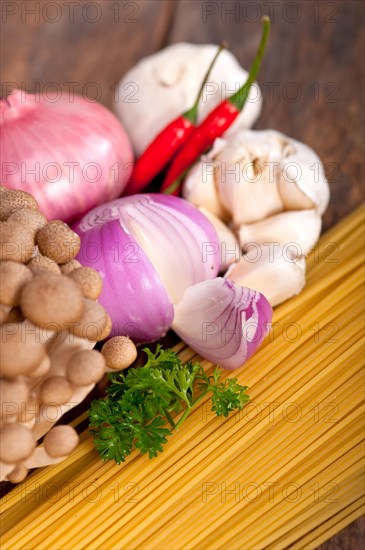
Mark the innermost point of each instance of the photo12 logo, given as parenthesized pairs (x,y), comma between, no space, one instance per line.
(29,11)
(227,11)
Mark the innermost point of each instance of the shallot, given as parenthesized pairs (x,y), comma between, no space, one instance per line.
(69,153)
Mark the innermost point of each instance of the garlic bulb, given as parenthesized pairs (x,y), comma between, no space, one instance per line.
(271,191)
(164,85)
(274,272)
(259,174)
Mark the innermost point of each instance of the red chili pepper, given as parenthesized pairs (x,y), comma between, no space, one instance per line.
(214,125)
(162,149)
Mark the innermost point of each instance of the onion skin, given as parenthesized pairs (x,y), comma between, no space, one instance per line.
(222,321)
(133,293)
(180,241)
(59,139)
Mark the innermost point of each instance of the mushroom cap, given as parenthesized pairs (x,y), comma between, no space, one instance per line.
(34,219)
(107,328)
(19,473)
(85,367)
(61,441)
(57,241)
(22,349)
(51,299)
(41,263)
(13,394)
(89,281)
(13,276)
(16,242)
(69,267)
(42,369)
(55,390)
(119,352)
(92,323)
(16,443)
(14,199)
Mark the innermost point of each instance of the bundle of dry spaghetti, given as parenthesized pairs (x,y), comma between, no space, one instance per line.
(283,472)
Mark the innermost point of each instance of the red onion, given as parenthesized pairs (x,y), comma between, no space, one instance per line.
(149,250)
(70,153)
(133,293)
(158,255)
(222,321)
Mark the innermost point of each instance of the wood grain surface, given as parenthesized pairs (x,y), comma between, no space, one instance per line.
(311,79)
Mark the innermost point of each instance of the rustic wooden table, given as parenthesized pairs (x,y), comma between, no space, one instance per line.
(311,79)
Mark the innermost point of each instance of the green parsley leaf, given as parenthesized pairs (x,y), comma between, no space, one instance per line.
(142,402)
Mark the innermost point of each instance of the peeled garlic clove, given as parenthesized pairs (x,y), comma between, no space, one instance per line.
(245,179)
(200,187)
(302,182)
(300,228)
(229,247)
(272,271)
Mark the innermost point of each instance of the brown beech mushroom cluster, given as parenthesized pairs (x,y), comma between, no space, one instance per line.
(49,322)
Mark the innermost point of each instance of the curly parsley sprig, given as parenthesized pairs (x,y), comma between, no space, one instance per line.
(141,404)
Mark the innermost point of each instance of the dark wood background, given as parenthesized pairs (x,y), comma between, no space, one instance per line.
(311,79)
